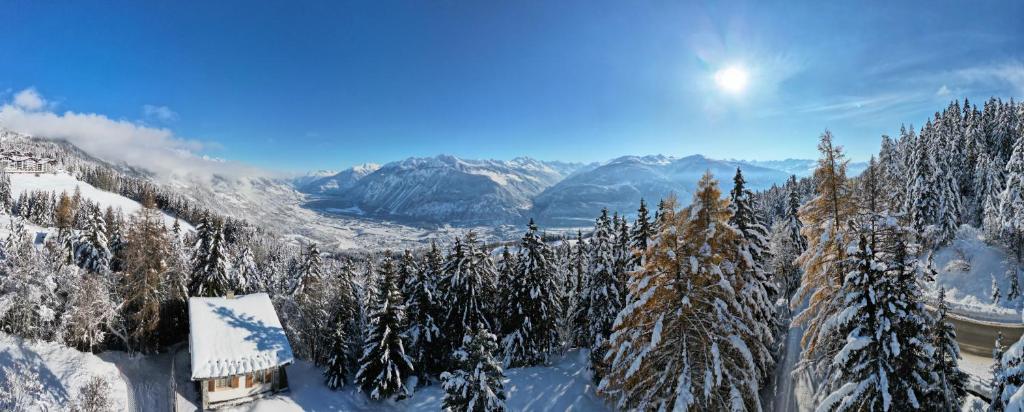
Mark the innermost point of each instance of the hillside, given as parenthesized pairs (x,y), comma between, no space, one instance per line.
(620,184)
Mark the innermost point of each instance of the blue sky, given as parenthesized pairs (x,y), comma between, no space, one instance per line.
(298,87)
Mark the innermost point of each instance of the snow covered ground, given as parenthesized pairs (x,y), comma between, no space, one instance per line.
(564,386)
(966,269)
(63,182)
(63,371)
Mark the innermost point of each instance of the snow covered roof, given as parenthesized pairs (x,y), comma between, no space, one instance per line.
(233,336)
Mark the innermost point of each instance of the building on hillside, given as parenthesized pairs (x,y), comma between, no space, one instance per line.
(13,161)
(238,348)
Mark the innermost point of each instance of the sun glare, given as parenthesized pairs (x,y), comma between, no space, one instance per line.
(731,79)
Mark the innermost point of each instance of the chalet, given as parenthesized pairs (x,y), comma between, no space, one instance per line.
(23,162)
(238,349)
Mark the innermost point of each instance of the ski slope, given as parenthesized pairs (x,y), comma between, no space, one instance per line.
(63,182)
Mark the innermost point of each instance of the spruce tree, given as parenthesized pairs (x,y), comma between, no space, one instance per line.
(756,293)
(580,299)
(425,315)
(209,262)
(641,235)
(91,252)
(997,404)
(530,320)
(467,287)
(951,382)
(475,384)
(1011,201)
(384,365)
(605,293)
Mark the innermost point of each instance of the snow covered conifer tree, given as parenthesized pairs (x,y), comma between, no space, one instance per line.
(384,365)
(996,293)
(951,382)
(681,342)
(579,297)
(1011,201)
(336,370)
(475,384)
(825,221)
(755,291)
(425,315)
(997,404)
(605,293)
(1011,378)
(91,252)
(209,262)
(531,318)
(641,235)
(467,287)
(865,361)
(1011,274)
(90,312)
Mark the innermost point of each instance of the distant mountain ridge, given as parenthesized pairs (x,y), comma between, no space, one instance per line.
(446,189)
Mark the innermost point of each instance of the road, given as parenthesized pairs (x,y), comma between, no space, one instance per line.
(979,337)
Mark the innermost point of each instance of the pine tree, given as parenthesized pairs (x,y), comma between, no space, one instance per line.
(91,252)
(531,317)
(312,300)
(475,385)
(425,315)
(951,382)
(384,365)
(467,287)
(605,293)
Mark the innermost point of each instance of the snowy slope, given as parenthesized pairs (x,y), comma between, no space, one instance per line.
(337,183)
(62,370)
(564,386)
(620,184)
(448,189)
(63,182)
(966,269)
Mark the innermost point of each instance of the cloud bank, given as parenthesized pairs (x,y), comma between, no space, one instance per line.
(119,141)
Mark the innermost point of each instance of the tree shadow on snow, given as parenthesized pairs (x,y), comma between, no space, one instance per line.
(52,385)
(266,338)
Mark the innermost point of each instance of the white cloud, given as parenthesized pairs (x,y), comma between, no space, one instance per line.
(29,99)
(943,91)
(120,141)
(161,113)
(1008,74)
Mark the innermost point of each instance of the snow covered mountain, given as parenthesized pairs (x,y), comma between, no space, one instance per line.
(336,183)
(448,189)
(619,184)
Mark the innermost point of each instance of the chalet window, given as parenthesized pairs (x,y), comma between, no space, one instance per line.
(222,383)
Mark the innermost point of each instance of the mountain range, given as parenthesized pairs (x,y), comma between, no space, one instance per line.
(450,190)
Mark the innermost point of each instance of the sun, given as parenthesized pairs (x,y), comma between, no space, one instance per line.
(732,79)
